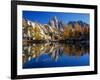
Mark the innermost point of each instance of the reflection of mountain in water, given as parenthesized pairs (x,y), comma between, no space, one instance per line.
(54,50)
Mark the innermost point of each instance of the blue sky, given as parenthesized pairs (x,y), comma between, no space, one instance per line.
(45,17)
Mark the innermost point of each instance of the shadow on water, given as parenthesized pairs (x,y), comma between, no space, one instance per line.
(54,54)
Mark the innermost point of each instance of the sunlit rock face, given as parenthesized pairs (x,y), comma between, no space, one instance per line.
(55,30)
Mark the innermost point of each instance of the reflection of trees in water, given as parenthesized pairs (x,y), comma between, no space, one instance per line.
(76,49)
(54,50)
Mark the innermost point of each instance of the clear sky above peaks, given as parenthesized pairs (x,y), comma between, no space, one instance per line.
(45,17)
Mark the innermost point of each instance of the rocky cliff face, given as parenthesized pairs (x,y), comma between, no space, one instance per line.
(55,29)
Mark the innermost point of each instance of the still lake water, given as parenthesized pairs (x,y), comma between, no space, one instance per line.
(55,55)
